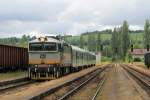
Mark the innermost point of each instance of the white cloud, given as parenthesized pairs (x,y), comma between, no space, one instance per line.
(69,16)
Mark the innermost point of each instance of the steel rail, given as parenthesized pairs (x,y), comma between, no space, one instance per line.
(71,92)
(138,76)
(99,88)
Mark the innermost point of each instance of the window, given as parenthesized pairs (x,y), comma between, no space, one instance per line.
(35,47)
(49,47)
(42,47)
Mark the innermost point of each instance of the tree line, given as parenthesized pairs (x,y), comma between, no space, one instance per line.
(121,42)
(21,42)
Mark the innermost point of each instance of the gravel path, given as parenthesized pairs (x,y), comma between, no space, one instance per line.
(119,87)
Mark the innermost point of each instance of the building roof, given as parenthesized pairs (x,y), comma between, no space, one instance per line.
(139,51)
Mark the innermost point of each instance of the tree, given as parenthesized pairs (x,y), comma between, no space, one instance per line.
(125,38)
(98,43)
(91,42)
(81,41)
(116,42)
(146,33)
(24,41)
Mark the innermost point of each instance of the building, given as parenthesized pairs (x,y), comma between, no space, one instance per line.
(98,58)
(138,53)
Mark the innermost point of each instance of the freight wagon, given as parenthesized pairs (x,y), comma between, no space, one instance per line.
(13,58)
(147,59)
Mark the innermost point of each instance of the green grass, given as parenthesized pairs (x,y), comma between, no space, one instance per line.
(77,38)
(106,37)
(12,75)
(134,37)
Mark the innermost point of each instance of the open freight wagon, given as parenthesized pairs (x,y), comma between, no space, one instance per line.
(13,58)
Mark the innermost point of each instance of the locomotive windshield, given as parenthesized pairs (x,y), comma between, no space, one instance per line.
(42,47)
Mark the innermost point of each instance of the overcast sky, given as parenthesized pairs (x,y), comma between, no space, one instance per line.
(19,17)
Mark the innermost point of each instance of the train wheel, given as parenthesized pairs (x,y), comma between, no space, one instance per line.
(29,73)
(67,70)
(57,73)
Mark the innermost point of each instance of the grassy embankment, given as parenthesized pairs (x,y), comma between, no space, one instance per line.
(12,75)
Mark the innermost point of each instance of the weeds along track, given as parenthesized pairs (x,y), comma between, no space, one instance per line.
(68,88)
(142,78)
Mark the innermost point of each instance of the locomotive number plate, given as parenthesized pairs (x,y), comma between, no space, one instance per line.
(42,56)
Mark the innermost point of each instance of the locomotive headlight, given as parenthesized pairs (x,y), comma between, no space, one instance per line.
(42,39)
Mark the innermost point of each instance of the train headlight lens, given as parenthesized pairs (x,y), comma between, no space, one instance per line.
(42,39)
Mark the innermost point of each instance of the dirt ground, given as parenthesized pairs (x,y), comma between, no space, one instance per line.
(140,68)
(140,64)
(118,87)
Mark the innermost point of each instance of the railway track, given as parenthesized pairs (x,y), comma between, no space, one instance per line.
(13,81)
(78,87)
(72,87)
(10,84)
(99,87)
(141,77)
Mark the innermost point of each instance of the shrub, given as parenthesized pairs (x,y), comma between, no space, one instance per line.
(137,60)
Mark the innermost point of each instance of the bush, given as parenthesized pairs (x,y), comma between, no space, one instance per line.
(137,60)
(104,59)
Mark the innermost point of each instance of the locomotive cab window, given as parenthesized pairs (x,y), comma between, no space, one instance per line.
(35,47)
(42,47)
(49,46)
